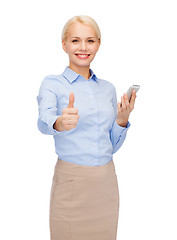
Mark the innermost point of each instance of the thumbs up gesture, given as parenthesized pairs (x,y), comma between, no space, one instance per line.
(69,117)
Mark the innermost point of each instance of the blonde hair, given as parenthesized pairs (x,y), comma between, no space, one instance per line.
(82,19)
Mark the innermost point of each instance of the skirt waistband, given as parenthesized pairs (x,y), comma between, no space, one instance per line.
(84,170)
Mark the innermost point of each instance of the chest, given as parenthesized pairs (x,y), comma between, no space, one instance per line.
(94,104)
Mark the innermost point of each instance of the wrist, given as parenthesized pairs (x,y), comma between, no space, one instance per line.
(57,124)
(122,123)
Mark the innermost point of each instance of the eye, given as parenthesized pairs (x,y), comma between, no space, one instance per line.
(75,40)
(91,41)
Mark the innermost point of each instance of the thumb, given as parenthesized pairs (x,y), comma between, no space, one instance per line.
(71,100)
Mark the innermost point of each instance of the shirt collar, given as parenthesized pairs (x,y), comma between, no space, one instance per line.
(71,75)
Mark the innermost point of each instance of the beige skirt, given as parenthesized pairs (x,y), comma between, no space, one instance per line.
(84,202)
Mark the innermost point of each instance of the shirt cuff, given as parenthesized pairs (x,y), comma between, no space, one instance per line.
(118,130)
(51,123)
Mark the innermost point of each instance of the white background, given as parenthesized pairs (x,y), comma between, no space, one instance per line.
(139,46)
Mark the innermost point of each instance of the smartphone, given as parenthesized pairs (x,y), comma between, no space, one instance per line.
(129,92)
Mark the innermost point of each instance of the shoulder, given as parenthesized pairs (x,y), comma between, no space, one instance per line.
(52,78)
(106,84)
(51,81)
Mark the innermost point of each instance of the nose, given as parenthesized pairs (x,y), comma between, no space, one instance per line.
(83,46)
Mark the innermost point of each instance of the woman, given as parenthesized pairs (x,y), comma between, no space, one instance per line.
(80,110)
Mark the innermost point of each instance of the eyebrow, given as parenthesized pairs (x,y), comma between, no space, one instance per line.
(86,38)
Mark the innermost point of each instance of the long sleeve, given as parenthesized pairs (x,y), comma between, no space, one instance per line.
(47,102)
(117,133)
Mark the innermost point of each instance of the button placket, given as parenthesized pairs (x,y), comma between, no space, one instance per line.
(95,120)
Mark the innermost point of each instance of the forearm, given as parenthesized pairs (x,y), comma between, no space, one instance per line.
(45,123)
(118,135)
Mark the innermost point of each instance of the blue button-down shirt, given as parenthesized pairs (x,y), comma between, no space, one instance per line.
(97,136)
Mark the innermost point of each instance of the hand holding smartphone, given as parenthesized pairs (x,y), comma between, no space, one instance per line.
(125,108)
(129,92)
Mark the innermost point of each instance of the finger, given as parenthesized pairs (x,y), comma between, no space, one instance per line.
(132,101)
(71,100)
(126,100)
(123,103)
(119,106)
(72,121)
(70,111)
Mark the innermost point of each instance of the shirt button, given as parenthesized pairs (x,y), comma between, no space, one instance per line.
(95,126)
(95,144)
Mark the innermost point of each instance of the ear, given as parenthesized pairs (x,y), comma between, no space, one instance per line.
(99,42)
(64,46)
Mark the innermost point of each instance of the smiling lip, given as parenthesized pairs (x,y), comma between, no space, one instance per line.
(82,56)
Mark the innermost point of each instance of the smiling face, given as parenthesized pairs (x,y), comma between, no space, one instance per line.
(81,45)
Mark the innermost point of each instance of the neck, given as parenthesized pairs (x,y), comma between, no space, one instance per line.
(84,71)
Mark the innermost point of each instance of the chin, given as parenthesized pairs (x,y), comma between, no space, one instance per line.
(82,64)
